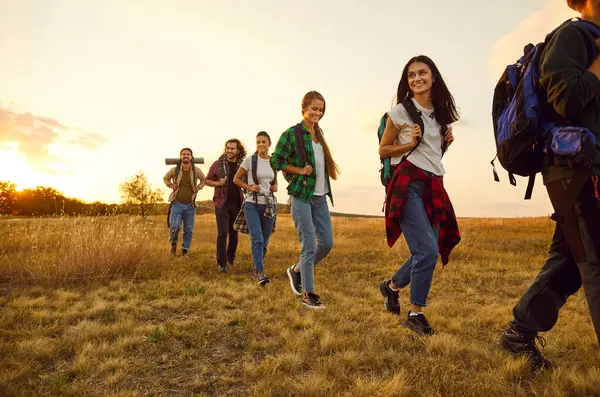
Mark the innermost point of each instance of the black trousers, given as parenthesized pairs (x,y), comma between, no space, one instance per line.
(572,262)
(225,217)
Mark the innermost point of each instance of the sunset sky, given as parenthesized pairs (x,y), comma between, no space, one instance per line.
(91,92)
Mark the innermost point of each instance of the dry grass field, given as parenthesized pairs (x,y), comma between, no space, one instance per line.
(98,307)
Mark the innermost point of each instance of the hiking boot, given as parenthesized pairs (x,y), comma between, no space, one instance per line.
(312,301)
(295,281)
(519,343)
(390,297)
(419,324)
(222,267)
(184,252)
(174,249)
(260,278)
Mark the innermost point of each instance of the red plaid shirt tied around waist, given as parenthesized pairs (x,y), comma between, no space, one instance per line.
(437,205)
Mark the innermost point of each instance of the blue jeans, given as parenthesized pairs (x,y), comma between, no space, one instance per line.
(260,228)
(182,213)
(422,241)
(313,222)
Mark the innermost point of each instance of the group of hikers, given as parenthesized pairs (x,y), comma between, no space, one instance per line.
(414,135)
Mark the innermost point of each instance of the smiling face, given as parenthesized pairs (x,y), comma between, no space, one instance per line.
(231,151)
(313,112)
(420,78)
(262,145)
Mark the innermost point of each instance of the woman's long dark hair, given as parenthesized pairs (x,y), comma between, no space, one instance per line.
(443,102)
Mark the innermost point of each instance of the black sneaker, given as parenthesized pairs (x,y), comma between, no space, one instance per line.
(295,281)
(419,324)
(312,301)
(390,297)
(184,252)
(174,249)
(519,343)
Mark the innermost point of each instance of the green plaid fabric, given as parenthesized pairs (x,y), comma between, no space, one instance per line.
(300,186)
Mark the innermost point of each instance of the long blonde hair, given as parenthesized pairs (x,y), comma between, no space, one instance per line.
(332,167)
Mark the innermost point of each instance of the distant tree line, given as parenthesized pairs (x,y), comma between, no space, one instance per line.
(138,198)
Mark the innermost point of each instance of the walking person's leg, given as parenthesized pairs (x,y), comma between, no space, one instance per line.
(390,288)
(321,219)
(266,228)
(422,240)
(175,219)
(253,220)
(189,215)
(572,261)
(222,217)
(233,234)
(301,275)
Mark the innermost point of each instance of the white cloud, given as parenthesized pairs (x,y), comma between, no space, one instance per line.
(532,29)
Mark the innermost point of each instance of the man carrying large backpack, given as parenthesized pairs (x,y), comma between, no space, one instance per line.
(185,180)
(570,77)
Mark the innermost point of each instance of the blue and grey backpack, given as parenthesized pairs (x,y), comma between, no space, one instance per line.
(528,130)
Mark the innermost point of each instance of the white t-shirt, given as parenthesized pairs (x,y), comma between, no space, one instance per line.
(321,186)
(265,175)
(428,155)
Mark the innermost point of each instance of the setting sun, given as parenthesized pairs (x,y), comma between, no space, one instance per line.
(14,168)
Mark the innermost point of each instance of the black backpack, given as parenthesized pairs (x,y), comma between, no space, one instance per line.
(255,177)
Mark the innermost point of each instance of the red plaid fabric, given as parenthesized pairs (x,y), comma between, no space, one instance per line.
(437,205)
(218,170)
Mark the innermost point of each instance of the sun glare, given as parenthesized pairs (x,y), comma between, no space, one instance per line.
(15,168)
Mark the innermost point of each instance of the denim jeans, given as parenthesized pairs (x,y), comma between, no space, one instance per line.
(182,213)
(225,219)
(260,228)
(313,222)
(422,240)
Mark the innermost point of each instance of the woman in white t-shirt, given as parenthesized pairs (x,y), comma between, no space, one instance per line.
(416,203)
(260,205)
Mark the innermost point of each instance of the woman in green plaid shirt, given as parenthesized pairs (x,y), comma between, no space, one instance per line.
(304,157)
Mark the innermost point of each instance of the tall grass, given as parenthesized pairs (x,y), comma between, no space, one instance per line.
(98,307)
(59,251)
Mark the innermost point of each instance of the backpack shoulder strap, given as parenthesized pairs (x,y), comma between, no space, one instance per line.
(254,174)
(414,113)
(415,116)
(444,131)
(254,165)
(591,27)
(382,124)
(300,143)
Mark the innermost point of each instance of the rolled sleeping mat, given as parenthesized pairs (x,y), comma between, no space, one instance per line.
(177,160)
